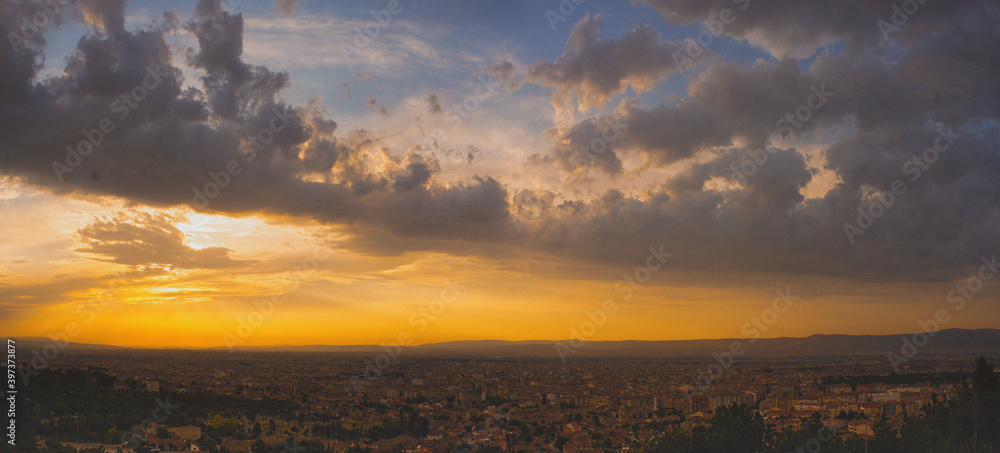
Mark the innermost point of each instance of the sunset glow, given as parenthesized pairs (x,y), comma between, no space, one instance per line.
(475,171)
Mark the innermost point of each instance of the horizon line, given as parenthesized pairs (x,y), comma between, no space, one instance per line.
(303,345)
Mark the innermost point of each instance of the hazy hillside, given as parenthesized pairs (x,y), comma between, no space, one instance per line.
(951,341)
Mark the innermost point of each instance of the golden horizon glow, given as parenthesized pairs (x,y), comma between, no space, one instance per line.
(177,177)
(349,298)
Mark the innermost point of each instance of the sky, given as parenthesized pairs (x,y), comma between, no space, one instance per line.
(216,173)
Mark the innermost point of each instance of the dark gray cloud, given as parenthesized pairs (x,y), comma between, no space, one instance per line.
(166,141)
(750,101)
(727,102)
(669,133)
(792,28)
(373,103)
(505,73)
(889,100)
(286,7)
(108,16)
(434,104)
(886,102)
(591,70)
(588,144)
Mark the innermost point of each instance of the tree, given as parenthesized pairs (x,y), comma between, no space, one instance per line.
(676,441)
(735,429)
(884,437)
(978,404)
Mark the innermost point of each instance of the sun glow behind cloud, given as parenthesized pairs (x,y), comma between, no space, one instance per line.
(350,298)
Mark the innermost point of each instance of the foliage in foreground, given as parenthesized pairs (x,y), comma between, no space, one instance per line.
(969,424)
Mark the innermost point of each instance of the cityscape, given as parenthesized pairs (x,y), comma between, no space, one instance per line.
(217,400)
(459,226)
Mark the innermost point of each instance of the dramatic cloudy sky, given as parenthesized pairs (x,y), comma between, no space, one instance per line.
(516,158)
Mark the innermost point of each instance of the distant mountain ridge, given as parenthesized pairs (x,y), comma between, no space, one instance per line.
(949,341)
